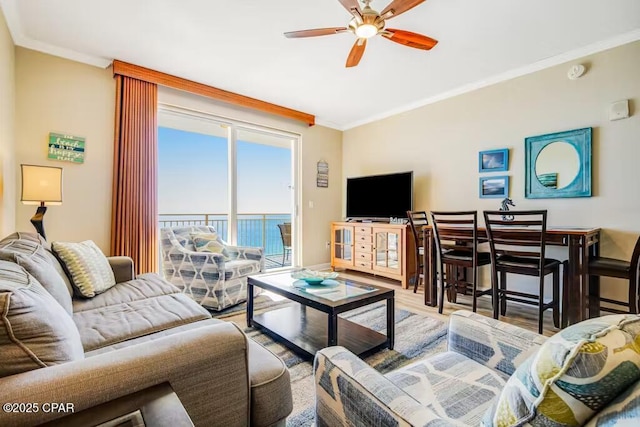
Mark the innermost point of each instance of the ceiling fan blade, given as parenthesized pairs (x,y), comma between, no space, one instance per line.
(356,52)
(352,7)
(315,32)
(410,39)
(396,7)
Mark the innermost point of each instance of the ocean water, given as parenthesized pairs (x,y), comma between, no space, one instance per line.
(253,230)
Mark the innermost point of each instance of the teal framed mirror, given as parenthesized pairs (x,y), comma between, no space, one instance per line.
(558,165)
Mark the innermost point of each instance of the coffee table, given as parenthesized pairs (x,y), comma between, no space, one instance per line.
(313,322)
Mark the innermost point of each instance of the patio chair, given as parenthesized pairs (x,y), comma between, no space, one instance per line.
(215,280)
(285,234)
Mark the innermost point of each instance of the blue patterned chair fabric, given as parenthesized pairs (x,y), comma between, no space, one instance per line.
(454,388)
(215,281)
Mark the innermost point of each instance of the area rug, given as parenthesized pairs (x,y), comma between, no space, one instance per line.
(417,336)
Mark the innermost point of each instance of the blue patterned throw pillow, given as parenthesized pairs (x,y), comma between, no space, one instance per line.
(574,375)
(624,411)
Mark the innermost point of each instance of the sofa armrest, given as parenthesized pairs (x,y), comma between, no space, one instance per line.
(206,367)
(254,253)
(122,267)
(350,392)
(495,344)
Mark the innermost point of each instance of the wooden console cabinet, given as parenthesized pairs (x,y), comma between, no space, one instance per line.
(377,248)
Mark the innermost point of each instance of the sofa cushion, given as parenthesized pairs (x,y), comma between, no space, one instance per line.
(144,286)
(90,271)
(37,264)
(573,375)
(112,324)
(154,336)
(458,389)
(35,331)
(25,242)
(269,377)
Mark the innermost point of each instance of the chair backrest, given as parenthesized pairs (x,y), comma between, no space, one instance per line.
(456,231)
(524,236)
(285,234)
(182,235)
(417,220)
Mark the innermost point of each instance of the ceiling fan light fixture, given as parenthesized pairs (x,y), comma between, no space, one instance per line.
(366,31)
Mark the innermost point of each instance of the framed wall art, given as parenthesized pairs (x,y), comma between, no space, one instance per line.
(494,187)
(493,160)
(558,165)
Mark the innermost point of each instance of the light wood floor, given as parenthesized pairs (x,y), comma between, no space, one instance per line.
(517,314)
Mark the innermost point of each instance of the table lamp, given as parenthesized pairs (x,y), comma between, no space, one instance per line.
(41,185)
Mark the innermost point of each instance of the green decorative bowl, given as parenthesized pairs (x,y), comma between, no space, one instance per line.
(313,277)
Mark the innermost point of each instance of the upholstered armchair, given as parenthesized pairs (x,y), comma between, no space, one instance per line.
(216,280)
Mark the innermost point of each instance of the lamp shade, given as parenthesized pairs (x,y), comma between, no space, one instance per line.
(41,184)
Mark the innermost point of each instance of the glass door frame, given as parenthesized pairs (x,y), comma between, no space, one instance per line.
(235,125)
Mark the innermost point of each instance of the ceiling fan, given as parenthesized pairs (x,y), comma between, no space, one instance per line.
(367,23)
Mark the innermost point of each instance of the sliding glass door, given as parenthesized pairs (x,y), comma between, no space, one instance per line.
(236,177)
(265,193)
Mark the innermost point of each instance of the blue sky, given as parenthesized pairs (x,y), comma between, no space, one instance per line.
(193,172)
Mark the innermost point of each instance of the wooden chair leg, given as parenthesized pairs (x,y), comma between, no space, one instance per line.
(443,287)
(416,277)
(633,294)
(541,306)
(495,295)
(556,297)
(474,289)
(454,285)
(594,296)
(565,294)
(503,296)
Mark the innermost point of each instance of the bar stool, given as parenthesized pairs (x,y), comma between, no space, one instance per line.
(611,267)
(456,237)
(417,221)
(518,247)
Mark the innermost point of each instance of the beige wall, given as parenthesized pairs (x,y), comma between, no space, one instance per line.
(317,143)
(440,143)
(58,95)
(7,132)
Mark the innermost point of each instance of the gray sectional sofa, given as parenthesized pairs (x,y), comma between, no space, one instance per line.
(142,332)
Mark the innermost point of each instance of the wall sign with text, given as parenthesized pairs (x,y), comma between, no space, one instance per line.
(66,147)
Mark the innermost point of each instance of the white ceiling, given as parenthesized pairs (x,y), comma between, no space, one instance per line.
(237,45)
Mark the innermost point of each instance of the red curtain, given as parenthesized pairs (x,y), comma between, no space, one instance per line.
(134,215)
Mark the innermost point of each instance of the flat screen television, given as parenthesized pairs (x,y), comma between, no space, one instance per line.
(380,196)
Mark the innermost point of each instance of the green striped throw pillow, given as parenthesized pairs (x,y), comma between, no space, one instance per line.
(89,269)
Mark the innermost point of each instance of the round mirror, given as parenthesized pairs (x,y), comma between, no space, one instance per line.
(557,165)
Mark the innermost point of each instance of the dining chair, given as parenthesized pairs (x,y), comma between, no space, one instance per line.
(285,235)
(418,220)
(456,238)
(621,269)
(518,246)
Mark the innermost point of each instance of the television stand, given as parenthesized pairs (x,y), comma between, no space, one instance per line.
(381,249)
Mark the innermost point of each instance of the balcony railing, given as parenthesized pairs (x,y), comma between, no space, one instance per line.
(254,229)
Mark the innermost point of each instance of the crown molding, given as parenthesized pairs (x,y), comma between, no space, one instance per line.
(552,61)
(11,15)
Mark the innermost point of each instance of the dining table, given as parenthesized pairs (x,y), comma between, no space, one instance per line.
(582,243)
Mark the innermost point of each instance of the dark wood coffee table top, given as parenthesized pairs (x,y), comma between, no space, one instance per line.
(352,294)
(314,323)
